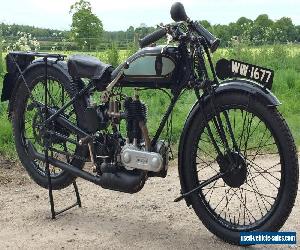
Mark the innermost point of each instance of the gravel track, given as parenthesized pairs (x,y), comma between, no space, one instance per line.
(107,220)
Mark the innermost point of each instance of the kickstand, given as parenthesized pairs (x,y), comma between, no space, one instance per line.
(53,212)
(47,142)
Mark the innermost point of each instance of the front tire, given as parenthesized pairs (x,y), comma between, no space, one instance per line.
(261,194)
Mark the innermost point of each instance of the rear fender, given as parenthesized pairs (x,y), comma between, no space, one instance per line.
(61,66)
(10,78)
(257,92)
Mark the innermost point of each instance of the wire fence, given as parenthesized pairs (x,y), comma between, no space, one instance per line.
(65,43)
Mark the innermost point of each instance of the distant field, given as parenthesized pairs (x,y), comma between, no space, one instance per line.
(284,59)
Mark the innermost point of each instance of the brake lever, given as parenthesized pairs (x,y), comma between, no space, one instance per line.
(161,25)
(169,39)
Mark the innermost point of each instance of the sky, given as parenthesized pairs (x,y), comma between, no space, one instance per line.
(120,14)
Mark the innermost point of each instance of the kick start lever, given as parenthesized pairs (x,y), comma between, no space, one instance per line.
(89,141)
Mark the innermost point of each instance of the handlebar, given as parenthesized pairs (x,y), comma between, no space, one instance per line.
(211,40)
(153,37)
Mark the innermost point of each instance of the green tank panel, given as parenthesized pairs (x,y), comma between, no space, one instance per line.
(145,66)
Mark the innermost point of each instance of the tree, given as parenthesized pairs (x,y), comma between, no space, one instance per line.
(86,28)
(1,56)
(242,27)
(298,33)
(262,30)
(130,33)
(284,30)
(113,55)
(263,20)
(243,20)
(222,32)
(143,30)
(206,24)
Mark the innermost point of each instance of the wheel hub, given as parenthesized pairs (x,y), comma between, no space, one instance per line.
(40,132)
(36,129)
(235,165)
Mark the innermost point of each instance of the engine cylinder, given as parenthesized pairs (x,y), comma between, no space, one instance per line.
(135,112)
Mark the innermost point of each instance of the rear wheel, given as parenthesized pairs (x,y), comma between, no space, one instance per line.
(27,117)
(260,166)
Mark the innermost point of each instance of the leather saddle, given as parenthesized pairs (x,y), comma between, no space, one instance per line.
(83,66)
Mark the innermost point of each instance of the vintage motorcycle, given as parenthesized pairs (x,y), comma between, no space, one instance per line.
(237,160)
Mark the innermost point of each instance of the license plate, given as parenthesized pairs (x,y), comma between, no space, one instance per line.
(234,68)
(252,72)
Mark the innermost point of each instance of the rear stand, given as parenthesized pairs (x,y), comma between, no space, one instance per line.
(47,142)
(53,212)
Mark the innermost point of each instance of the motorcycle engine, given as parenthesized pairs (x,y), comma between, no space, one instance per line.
(136,152)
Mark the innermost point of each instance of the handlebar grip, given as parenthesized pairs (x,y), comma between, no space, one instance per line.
(212,41)
(153,37)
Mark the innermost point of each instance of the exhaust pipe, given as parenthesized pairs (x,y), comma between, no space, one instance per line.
(122,180)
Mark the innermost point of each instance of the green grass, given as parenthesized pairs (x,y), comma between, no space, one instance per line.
(6,138)
(283,59)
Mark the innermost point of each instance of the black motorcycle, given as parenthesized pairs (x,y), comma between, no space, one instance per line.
(237,159)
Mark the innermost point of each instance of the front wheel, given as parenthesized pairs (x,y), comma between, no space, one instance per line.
(257,157)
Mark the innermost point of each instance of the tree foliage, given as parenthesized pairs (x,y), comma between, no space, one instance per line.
(260,31)
(86,28)
(113,56)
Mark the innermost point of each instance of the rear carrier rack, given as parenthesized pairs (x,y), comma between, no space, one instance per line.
(17,62)
(37,54)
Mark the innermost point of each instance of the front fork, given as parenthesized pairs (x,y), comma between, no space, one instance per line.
(218,123)
(219,126)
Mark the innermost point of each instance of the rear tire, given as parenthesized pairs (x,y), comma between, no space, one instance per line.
(35,79)
(227,227)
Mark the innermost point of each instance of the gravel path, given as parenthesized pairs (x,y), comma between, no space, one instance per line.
(108,220)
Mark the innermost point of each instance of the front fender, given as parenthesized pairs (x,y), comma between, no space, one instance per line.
(255,90)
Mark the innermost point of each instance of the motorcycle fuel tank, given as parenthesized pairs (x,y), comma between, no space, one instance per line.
(156,65)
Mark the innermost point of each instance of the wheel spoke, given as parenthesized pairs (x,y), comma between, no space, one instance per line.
(249,124)
(260,144)
(221,200)
(211,190)
(227,202)
(231,133)
(254,187)
(265,145)
(205,152)
(255,166)
(243,128)
(245,206)
(260,194)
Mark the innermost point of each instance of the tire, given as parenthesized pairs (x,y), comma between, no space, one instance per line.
(228,224)
(57,81)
